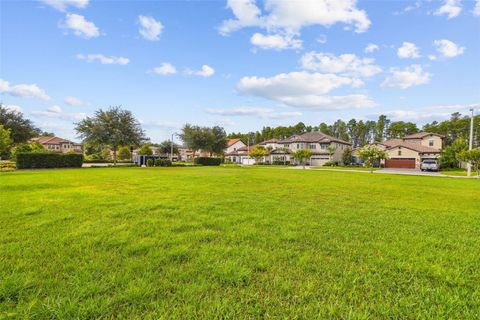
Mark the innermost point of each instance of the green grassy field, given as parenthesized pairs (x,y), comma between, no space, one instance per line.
(236,243)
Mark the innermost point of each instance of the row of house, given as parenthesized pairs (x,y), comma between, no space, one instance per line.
(407,152)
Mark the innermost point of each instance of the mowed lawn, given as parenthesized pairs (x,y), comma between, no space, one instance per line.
(236,243)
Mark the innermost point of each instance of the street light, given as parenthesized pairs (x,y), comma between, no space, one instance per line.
(470,144)
(171,147)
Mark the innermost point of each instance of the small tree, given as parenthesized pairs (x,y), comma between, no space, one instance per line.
(449,156)
(22,129)
(114,127)
(472,156)
(371,155)
(302,155)
(5,141)
(331,151)
(124,153)
(347,157)
(166,147)
(27,147)
(145,150)
(258,152)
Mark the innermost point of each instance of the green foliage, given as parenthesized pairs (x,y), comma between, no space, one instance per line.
(33,146)
(5,142)
(145,150)
(213,140)
(347,157)
(124,153)
(371,155)
(21,129)
(330,164)
(207,161)
(302,155)
(166,147)
(48,160)
(163,163)
(258,152)
(449,156)
(114,127)
(150,162)
(473,157)
(456,127)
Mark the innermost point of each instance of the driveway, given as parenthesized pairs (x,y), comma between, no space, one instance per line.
(416,172)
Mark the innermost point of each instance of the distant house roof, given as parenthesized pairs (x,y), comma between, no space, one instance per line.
(231,142)
(422,134)
(314,136)
(52,140)
(413,146)
(268,141)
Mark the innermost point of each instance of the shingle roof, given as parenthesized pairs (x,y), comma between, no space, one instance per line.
(231,142)
(422,134)
(314,136)
(51,140)
(413,146)
(268,141)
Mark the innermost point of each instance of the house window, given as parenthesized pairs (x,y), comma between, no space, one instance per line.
(430,143)
(312,146)
(287,145)
(399,152)
(323,146)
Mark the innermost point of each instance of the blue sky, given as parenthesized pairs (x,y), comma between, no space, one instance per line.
(242,64)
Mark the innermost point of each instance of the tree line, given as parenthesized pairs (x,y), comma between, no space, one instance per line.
(360,133)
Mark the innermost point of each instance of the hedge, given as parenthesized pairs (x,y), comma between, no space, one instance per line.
(163,163)
(206,161)
(48,160)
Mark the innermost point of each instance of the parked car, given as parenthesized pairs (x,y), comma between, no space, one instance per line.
(429,165)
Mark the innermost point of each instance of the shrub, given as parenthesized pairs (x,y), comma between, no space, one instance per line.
(48,160)
(280,162)
(207,161)
(163,163)
(7,165)
(330,164)
(150,162)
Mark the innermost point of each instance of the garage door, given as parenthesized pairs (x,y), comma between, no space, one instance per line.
(318,161)
(400,163)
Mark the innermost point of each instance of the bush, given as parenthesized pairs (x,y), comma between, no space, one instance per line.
(48,160)
(280,162)
(88,159)
(163,163)
(330,164)
(150,162)
(7,165)
(207,161)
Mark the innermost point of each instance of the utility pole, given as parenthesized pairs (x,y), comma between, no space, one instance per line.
(171,149)
(470,144)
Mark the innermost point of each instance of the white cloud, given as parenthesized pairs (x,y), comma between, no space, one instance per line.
(57,112)
(322,39)
(292,16)
(73,101)
(80,26)
(150,29)
(294,84)
(411,76)
(164,69)
(205,72)
(476,10)
(103,59)
(254,111)
(448,49)
(432,57)
(345,64)
(305,90)
(427,114)
(371,47)
(13,108)
(408,50)
(451,8)
(23,90)
(275,41)
(62,5)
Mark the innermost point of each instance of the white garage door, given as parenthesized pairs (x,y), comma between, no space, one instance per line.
(318,161)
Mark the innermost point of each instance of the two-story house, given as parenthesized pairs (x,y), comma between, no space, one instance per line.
(57,144)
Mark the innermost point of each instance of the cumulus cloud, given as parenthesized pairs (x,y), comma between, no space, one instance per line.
(305,90)
(345,64)
(411,76)
(164,69)
(62,5)
(427,114)
(23,90)
(13,108)
(254,111)
(408,50)
(292,16)
(80,26)
(275,41)
(448,49)
(206,71)
(371,47)
(103,59)
(73,101)
(476,10)
(57,112)
(451,8)
(150,29)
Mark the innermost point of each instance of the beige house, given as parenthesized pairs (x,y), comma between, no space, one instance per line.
(57,144)
(409,151)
